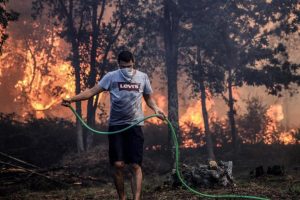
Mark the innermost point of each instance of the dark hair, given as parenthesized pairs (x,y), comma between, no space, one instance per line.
(125,56)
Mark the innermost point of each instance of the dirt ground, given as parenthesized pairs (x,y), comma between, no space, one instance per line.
(268,186)
(94,164)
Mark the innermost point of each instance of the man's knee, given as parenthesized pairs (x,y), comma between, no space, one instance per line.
(119,165)
(135,167)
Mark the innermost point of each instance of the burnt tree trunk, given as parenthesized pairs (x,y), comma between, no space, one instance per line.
(91,109)
(230,100)
(76,64)
(171,25)
(231,112)
(209,143)
(96,24)
(91,112)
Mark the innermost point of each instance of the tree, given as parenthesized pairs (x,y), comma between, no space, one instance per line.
(201,76)
(5,18)
(238,44)
(253,123)
(201,57)
(71,15)
(91,38)
(37,54)
(171,18)
(250,46)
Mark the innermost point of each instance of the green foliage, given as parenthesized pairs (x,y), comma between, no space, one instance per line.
(87,30)
(230,37)
(221,133)
(252,125)
(5,17)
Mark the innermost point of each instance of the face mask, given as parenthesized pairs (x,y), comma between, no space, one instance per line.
(127,72)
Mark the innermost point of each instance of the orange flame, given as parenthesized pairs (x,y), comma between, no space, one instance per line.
(44,91)
(193,118)
(39,96)
(276,115)
(192,115)
(287,137)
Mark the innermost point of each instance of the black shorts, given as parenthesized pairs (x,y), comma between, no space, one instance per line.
(126,146)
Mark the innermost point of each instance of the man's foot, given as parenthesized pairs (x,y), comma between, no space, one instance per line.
(136,181)
(119,179)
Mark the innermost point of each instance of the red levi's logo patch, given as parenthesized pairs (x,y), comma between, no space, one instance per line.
(129,86)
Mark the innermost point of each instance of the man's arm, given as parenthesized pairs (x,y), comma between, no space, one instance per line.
(88,93)
(151,104)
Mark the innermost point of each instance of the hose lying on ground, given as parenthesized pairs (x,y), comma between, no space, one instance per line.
(178,173)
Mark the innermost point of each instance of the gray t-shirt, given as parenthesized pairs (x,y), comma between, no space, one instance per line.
(125,96)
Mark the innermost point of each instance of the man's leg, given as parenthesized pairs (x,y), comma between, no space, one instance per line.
(136,181)
(119,178)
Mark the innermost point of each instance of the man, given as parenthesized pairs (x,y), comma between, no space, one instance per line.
(127,86)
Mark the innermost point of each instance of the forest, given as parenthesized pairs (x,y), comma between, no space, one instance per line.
(226,73)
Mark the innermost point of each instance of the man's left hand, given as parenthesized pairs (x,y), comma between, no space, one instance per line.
(161,114)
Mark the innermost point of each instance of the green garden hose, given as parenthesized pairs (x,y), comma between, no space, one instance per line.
(176,157)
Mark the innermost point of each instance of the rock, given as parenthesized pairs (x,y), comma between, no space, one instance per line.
(276,170)
(211,175)
(259,171)
(213,164)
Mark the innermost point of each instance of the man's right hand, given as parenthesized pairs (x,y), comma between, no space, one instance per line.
(66,102)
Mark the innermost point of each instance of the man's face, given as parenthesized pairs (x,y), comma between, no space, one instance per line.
(123,64)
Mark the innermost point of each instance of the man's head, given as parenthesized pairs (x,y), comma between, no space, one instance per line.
(125,59)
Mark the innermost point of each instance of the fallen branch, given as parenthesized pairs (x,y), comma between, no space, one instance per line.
(18,160)
(12,170)
(36,173)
